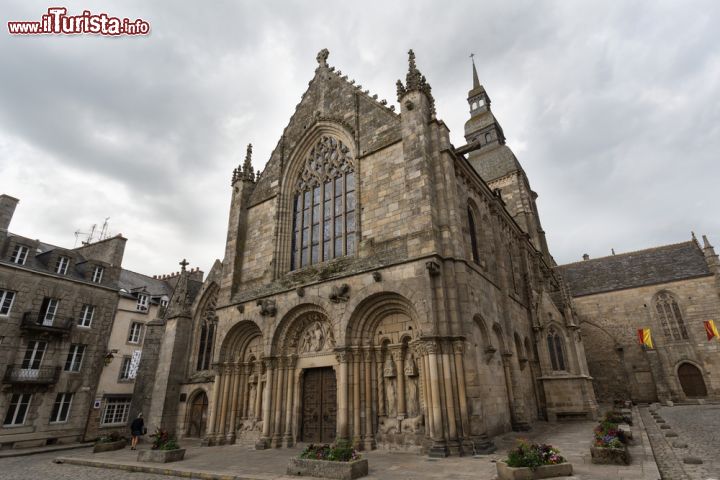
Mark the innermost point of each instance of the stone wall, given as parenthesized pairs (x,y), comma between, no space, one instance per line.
(619,366)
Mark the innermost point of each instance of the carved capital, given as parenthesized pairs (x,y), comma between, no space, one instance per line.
(433,268)
(270,362)
(458,346)
(343,356)
(292,361)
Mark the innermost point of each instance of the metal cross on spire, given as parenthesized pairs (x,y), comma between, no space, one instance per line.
(184,264)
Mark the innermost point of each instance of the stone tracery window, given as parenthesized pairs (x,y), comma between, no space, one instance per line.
(556,347)
(670,316)
(207,334)
(324,204)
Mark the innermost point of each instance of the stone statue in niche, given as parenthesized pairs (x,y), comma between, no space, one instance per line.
(251,402)
(410,366)
(389,367)
(391,396)
(411,394)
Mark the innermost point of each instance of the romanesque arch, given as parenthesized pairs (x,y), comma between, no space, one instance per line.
(382,334)
(196,414)
(691,379)
(238,386)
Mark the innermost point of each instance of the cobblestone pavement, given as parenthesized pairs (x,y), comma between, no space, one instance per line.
(699,427)
(40,466)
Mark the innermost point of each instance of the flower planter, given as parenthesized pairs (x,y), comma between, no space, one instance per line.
(610,456)
(109,446)
(328,469)
(161,456)
(525,473)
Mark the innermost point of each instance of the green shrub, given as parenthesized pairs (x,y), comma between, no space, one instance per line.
(342,451)
(533,455)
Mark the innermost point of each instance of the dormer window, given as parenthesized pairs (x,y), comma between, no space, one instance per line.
(324,206)
(164,302)
(97,274)
(142,303)
(20,254)
(61,266)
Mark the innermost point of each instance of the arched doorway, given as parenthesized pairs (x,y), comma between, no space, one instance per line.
(691,380)
(319,405)
(197,415)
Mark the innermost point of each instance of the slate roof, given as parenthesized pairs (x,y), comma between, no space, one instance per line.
(494,163)
(130,281)
(635,269)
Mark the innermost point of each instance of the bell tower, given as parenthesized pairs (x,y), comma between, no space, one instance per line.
(497,164)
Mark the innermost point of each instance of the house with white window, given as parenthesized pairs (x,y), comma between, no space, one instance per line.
(141,299)
(56,311)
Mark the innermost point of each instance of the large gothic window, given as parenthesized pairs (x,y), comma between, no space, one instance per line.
(556,347)
(207,333)
(473,236)
(670,316)
(324,205)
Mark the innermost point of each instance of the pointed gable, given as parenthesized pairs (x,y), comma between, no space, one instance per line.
(330,97)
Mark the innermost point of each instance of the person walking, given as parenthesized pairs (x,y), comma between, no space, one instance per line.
(137,430)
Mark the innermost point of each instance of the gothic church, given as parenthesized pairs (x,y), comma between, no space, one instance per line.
(379,285)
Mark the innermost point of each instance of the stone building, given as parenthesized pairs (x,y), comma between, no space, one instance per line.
(141,299)
(670,289)
(377,286)
(56,311)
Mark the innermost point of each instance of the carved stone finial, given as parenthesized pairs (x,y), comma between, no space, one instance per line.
(322,57)
(247,168)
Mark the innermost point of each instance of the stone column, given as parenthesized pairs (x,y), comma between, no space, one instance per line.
(277,408)
(288,438)
(210,433)
(439,447)
(380,379)
(264,441)
(357,358)
(426,390)
(400,365)
(245,391)
(342,411)
(453,443)
(227,380)
(259,395)
(369,440)
(232,425)
(458,348)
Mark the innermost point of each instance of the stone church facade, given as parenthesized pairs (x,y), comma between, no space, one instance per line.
(379,285)
(672,290)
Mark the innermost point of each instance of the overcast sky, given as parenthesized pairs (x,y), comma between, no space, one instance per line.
(612,107)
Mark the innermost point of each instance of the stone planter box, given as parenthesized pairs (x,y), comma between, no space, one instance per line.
(328,469)
(610,456)
(525,473)
(161,456)
(109,446)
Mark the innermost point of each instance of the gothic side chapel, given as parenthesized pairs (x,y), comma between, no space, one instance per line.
(378,285)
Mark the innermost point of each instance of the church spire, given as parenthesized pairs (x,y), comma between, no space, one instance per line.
(476,81)
(247,168)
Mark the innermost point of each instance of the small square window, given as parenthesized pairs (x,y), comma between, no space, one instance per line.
(135,332)
(6,302)
(142,303)
(86,315)
(125,368)
(74,358)
(61,267)
(61,409)
(20,254)
(17,411)
(97,274)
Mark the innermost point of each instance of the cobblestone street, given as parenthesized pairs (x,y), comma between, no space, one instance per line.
(41,466)
(698,426)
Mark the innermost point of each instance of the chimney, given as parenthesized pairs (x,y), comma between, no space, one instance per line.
(586,257)
(7,209)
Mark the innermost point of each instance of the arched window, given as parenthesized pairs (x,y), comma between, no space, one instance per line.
(208,319)
(473,236)
(324,206)
(556,347)
(670,316)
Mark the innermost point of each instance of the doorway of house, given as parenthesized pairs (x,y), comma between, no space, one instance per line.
(197,418)
(691,380)
(319,405)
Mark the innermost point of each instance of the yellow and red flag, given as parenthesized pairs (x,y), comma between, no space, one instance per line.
(711,330)
(644,338)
